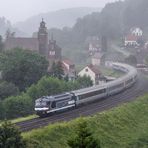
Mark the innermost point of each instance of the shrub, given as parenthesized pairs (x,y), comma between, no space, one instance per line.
(18,106)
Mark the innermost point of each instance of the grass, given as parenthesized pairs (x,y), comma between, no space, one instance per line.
(24,118)
(125,126)
(111,72)
(21,119)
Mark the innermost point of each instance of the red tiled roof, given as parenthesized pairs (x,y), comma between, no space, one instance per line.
(68,62)
(95,69)
(65,68)
(131,38)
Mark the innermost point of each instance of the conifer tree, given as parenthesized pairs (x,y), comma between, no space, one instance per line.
(10,136)
(84,138)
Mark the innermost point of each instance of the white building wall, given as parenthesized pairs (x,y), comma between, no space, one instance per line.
(137,32)
(88,72)
(131,43)
(95,61)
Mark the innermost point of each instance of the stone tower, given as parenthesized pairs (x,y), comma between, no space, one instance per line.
(43,39)
(54,54)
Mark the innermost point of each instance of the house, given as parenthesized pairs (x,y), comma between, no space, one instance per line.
(40,44)
(93,44)
(134,38)
(69,69)
(131,40)
(136,31)
(93,72)
(94,47)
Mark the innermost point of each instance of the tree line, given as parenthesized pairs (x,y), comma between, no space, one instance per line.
(114,21)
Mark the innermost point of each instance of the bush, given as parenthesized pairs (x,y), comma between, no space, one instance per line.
(7,89)
(18,106)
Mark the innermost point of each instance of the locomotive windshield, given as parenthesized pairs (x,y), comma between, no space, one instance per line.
(40,103)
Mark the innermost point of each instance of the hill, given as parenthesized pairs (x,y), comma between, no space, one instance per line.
(113,22)
(57,19)
(124,127)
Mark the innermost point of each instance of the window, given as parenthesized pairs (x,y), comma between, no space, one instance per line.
(53,105)
(93,93)
(86,70)
(51,53)
(116,86)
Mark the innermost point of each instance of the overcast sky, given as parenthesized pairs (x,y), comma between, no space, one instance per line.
(19,10)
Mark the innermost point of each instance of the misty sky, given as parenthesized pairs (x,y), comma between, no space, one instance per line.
(18,10)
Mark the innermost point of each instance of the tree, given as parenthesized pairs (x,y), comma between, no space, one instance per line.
(131,59)
(57,70)
(22,67)
(84,138)
(7,89)
(18,106)
(1,44)
(85,81)
(10,136)
(2,110)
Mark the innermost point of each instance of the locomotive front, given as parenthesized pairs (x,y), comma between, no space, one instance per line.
(42,105)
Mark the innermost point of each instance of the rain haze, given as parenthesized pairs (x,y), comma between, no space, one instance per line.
(17,10)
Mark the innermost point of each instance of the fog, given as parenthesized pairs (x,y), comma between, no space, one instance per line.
(19,10)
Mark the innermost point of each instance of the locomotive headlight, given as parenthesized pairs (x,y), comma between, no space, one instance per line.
(42,109)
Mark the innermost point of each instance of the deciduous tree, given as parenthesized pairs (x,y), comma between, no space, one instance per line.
(7,89)
(85,81)
(22,67)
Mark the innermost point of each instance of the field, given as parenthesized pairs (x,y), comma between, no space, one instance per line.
(125,126)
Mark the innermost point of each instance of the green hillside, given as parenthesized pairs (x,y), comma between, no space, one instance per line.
(124,127)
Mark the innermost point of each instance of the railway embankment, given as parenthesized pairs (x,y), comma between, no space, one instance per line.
(125,126)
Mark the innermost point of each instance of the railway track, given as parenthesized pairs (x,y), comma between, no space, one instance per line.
(130,94)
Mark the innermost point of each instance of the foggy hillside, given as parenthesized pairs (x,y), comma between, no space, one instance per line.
(6,25)
(56,19)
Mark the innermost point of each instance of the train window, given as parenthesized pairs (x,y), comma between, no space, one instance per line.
(53,105)
(116,86)
(93,93)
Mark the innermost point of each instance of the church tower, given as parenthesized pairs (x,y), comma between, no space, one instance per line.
(54,54)
(43,39)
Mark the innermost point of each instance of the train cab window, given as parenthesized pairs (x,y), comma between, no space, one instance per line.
(53,105)
(48,103)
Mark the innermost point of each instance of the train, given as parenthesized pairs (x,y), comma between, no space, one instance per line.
(68,100)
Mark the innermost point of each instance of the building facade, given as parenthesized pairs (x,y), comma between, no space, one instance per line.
(69,69)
